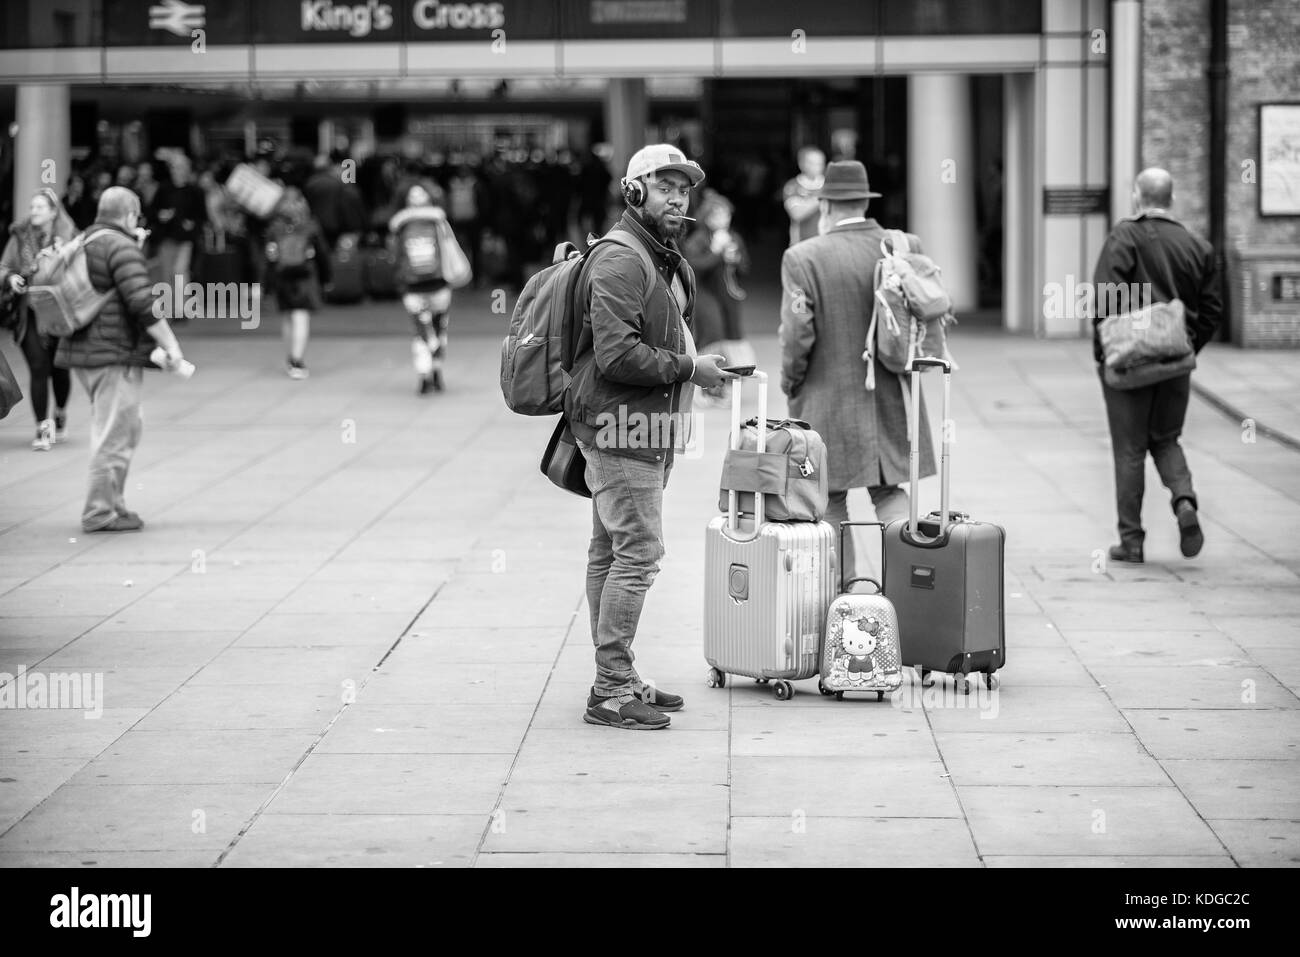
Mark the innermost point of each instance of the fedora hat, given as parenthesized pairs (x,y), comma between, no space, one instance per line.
(846,179)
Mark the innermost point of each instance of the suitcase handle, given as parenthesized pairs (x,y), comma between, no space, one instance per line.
(915,365)
(733,508)
(845,586)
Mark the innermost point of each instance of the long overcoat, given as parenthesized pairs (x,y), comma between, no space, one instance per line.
(825,313)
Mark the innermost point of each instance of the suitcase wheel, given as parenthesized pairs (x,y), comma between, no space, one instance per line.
(960,682)
(924,673)
(991,680)
(821,687)
(716,679)
(839,696)
(783,690)
(880,696)
(762,681)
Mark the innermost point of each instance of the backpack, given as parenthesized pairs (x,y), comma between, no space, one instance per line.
(910,309)
(292,252)
(538,352)
(421,260)
(61,295)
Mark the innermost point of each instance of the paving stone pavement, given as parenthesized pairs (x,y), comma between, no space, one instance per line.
(354,633)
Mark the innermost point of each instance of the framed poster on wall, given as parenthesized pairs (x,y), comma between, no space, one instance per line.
(1279,159)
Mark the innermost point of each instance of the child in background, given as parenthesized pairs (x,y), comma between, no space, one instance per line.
(298,262)
(416,231)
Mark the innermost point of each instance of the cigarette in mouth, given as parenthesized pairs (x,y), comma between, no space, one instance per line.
(689,219)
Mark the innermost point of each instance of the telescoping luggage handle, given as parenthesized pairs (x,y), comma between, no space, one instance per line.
(733,508)
(914,366)
(846,585)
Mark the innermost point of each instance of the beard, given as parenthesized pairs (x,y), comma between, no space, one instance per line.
(666,227)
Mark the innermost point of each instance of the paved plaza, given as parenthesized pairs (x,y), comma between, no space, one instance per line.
(353,632)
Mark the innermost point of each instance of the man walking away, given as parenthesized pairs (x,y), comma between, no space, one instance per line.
(825,313)
(635,359)
(110,355)
(1162,257)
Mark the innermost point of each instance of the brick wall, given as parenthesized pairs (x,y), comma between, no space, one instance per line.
(1263,66)
(1175,102)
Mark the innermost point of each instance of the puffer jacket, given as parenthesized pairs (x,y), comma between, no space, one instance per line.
(632,359)
(117,335)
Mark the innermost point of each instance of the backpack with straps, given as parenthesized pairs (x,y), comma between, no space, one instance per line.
(539,350)
(911,310)
(61,295)
(291,250)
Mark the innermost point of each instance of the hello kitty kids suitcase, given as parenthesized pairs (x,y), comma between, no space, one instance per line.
(860,650)
(767,586)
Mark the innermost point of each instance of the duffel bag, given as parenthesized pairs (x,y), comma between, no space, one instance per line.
(791,472)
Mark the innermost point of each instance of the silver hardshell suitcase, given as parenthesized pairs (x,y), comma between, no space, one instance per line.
(767,587)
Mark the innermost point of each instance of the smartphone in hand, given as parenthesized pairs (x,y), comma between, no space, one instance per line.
(739,370)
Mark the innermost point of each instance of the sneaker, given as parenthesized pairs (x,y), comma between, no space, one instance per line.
(44,436)
(421,357)
(1190,537)
(1122,553)
(623,712)
(133,516)
(296,369)
(121,523)
(657,698)
(60,426)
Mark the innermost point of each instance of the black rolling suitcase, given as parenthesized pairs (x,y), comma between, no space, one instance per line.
(944,573)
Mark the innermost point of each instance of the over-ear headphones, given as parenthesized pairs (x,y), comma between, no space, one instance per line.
(634,192)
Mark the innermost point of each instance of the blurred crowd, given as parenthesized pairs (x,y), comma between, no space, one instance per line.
(508,209)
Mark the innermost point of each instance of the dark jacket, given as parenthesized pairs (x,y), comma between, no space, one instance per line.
(631,354)
(717,314)
(117,335)
(1155,248)
(180,212)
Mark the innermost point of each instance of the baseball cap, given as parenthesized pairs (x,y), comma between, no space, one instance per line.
(661,156)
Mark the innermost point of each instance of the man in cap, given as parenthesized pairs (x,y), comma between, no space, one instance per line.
(634,367)
(825,312)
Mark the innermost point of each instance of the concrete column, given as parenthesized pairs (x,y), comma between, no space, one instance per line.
(1125,102)
(43,113)
(941,180)
(626,115)
(1019,294)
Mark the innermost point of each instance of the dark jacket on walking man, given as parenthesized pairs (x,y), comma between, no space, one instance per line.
(1151,250)
(826,299)
(110,355)
(635,364)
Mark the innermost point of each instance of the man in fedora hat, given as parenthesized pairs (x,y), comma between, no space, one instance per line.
(825,311)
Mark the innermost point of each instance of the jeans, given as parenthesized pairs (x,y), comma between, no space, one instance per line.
(891,503)
(623,558)
(116,424)
(1145,420)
